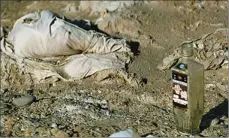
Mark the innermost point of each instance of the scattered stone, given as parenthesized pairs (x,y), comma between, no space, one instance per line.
(104,104)
(195,25)
(103,6)
(54,125)
(168,62)
(5,108)
(89,100)
(82,120)
(224,120)
(216,25)
(70,8)
(119,24)
(28,133)
(70,108)
(126,133)
(209,86)
(8,126)
(222,87)
(150,136)
(107,112)
(209,50)
(24,100)
(215,122)
(58,133)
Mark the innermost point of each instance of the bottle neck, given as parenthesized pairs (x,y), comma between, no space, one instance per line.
(185,59)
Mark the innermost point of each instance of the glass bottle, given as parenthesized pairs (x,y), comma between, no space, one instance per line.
(188,92)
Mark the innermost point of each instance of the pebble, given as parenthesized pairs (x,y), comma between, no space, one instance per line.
(150,136)
(24,100)
(59,133)
(126,133)
(224,119)
(104,104)
(107,113)
(54,84)
(89,100)
(222,87)
(86,107)
(54,125)
(214,122)
(209,86)
(70,8)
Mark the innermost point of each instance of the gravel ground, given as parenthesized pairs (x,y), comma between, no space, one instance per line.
(89,108)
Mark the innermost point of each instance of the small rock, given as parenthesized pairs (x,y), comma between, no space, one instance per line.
(214,122)
(147,37)
(59,133)
(54,84)
(107,113)
(126,133)
(8,126)
(24,100)
(54,125)
(224,119)
(70,8)
(104,104)
(28,133)
(86,107)
(209,86)
(29,91)
(5,108)
(89,100)
(150,136)
(168,62)
(222,87)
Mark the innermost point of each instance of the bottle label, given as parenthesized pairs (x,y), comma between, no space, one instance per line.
(180,95)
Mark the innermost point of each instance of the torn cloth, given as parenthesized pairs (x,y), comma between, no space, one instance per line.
(47,46)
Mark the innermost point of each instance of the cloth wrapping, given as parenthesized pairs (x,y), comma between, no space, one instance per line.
(46,45)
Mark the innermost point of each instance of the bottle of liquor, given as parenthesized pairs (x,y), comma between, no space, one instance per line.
(188,92)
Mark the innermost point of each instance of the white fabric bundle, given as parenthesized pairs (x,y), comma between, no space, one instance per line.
(50,46)
(47,35)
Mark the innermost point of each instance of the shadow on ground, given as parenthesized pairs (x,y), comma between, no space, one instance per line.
(90,26)
(217,112)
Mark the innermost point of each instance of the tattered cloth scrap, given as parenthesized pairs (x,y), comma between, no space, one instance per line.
(46,45)
(211,50)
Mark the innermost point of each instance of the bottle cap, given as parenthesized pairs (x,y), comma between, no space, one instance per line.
(187,50)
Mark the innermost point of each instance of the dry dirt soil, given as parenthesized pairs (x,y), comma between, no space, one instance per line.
(88,108)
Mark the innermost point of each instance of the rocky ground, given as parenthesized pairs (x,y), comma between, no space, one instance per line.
(89,108)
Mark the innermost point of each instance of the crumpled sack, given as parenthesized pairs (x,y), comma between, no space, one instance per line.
(47,46)
(211,50)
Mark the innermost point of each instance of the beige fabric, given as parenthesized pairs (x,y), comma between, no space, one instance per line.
(48,35)
(49,46)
